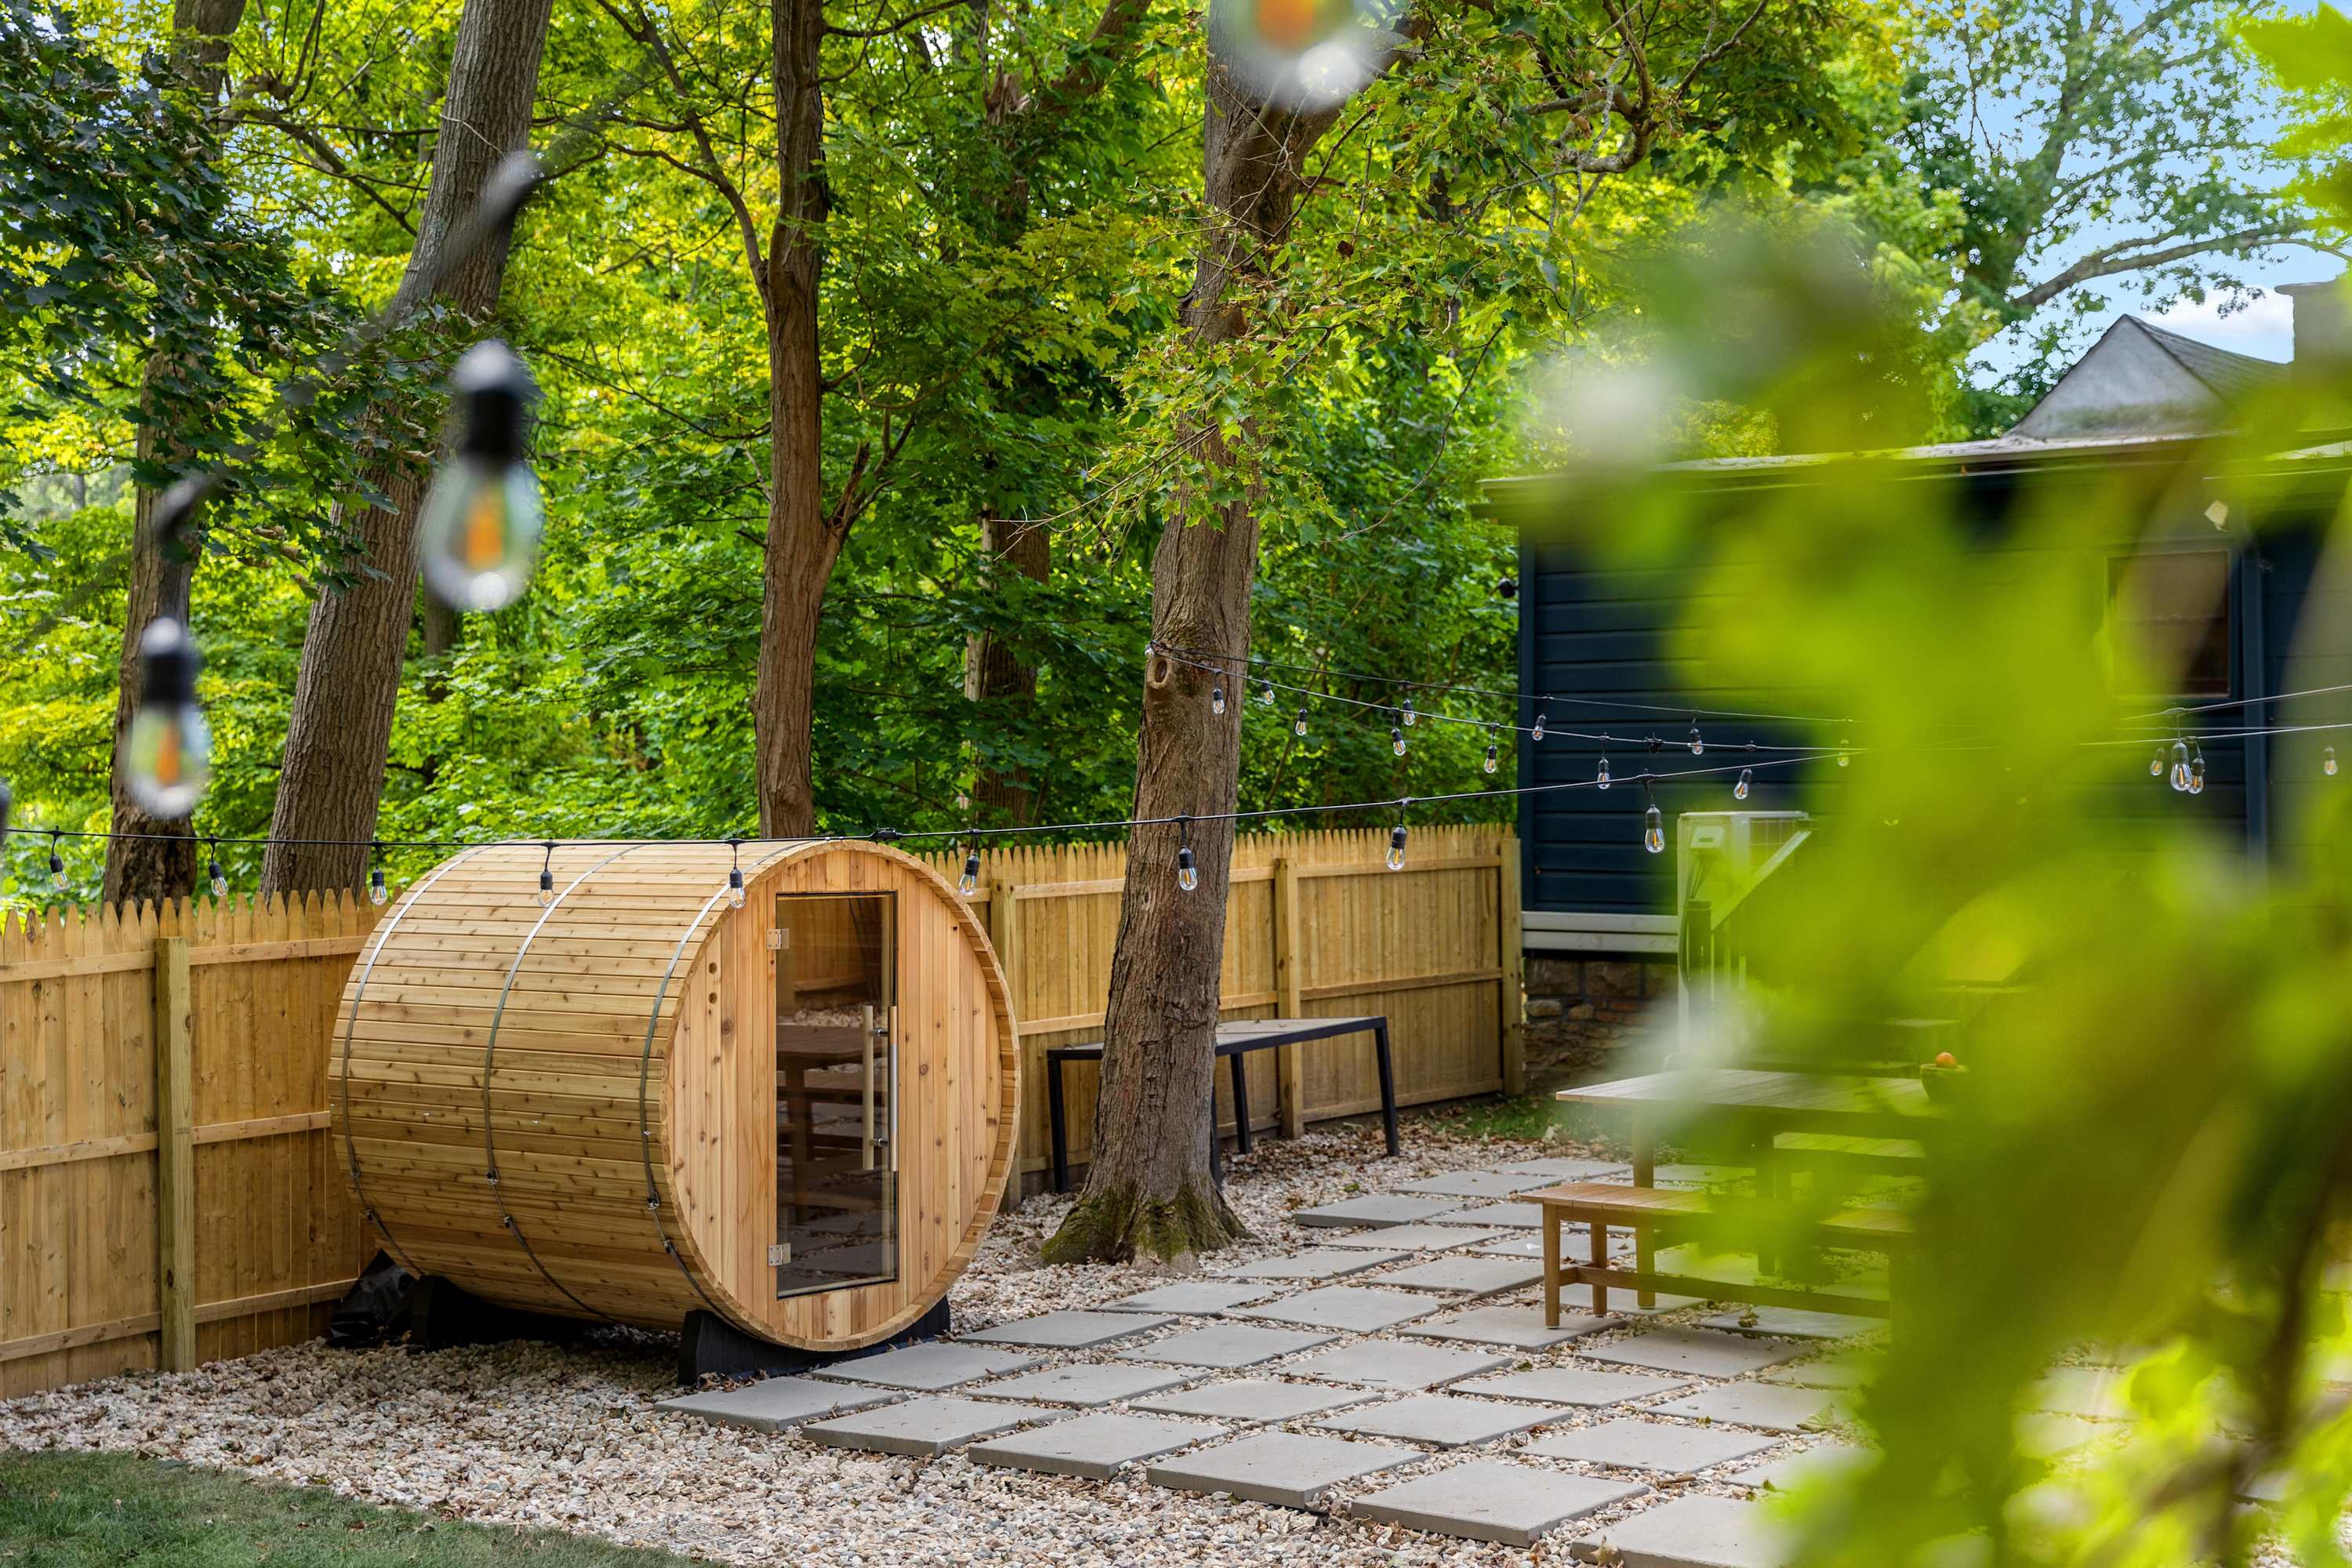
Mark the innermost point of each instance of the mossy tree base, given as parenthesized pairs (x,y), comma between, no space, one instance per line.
(1120,1225)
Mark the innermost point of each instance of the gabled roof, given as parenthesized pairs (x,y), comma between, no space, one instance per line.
(2141,380)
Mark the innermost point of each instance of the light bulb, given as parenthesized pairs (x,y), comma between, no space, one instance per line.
(2181,766)
(2327,761)
(1845,758)
(171,748)
(547,887)
(1654,832)
(734,886)
(1699,747)
(1601,777)
(1396,740)
(1493,760)
(2156,763)
(218,878)
(1507,587)
(969,883)
(56,865)
(1746,777)
(1188,875)
(2196,774)
(1538,732)
(1396,847)
(1217,699)
(1408,710)
(1298,725)
(1266,695)
(478,532)
(377,892)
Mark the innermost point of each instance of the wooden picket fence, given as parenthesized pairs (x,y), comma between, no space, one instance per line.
(170,1191)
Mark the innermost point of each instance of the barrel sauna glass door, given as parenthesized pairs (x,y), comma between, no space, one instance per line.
(836,1090)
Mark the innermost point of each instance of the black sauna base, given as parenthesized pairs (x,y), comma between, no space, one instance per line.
(442,1315)
(708,1345)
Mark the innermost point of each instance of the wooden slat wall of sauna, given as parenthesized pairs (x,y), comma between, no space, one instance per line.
(1424,946)
(277,1237)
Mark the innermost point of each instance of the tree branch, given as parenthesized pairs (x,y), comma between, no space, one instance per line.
(2117,258)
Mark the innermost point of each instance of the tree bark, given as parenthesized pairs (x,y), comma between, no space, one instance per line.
(997,677)
(803,541)
(339,730)
(150,871)
(1148,1189)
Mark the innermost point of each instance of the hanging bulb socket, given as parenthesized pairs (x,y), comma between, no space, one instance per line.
(1407,710)
(1396,847)
(735,873)
(56,863)
(1217,698)
(479,531)
(1188,874)
(1396,740)
(1698,745)
(1746,778)
(170,746)
(1601,778)
(1507,587)
(1492,759)
(547,876)
(2197,771)
(1653,825)
(2181,766)
(1298,725)
(2156,763)
(1537,733)
(1266,695)
(214,875)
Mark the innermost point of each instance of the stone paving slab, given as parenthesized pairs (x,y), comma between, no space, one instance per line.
(1417,1238)
(1832,1372)
(1388,1364)
(1700,1351)
(1572,1386)
(925,1427)
(1093,1446)
(1353,1309)
(1441,1420)
(1792,1470)
(1478,1183)
(1793,1324)
(1377,1208)
(1087,1384)
(1317,1263)
(1578,1299)
(1191,1297)
(927,1368)
(1659,1445)
(1225,1346)
(1066,1331)
(1713,1177)
(1521,1328)
(1257,1399)
(1491,1500)
(1573,1244)
(1771,1405)
(1506,1217)
(1565,1170)
(1466,1275)
(774,1404)
(1694,1533)
(1288,1469)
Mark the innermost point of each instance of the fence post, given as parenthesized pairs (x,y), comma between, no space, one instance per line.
(1513,959)
(1004,931)
(175,1157)
(1290,1089)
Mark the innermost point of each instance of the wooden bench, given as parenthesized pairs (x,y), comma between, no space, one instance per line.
(1649,1211)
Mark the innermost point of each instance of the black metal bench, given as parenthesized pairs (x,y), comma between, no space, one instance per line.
(1234,1040)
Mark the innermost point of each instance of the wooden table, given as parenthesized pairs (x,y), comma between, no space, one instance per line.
(1235,1039)
(1764,1104)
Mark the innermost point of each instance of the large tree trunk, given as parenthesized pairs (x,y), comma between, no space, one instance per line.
(997,677)
(162,571)
(1148,1189)
(804,543)
(344,693)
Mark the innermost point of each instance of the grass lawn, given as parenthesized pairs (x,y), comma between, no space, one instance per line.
(68,1510)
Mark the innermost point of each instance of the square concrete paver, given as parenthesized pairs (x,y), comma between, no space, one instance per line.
(1651,1446)
(1286,1468)
(1067,1331)
(1353,1309)
(929,1367)
(1700,1351)
(1792,1470)
(1094,1446)
(1573,1244)
(1416,1237)
(1694,1533)
(1493,1216)
(1554,1171)
(1466,1275)
(1572,1386)
(1441,1420)
(1831,1372)
(1625,1303)
(1491,1500)
(1771,1405)
(1317,1263)
(1387,1364)
(924,1427)
(1257,1399)
(1377,1208)
(1191,1297)
(1478,1184)
(1087,1383)
(1226,1345)
(1794,1324)
(774,1404)
(1521,1328)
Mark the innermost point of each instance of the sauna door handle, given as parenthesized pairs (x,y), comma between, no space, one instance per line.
(865,1148)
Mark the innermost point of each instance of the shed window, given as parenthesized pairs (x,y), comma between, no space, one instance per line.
(2171,613)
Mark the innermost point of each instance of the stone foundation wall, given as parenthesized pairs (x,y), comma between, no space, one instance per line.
(1582,1010)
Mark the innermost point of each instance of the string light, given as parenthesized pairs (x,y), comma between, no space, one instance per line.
(171,748)
(1217,698)
(1396,740)
(1408,712)
(1507,587)
(1601,778)
(1298,725)
(1494,760)
(1396,847)
(1266,695)
(478,533)
(1698,746)
(1746,777)
(2181,766)
(1188,875)
(1538,732)
(735,873)
(2156,763)
(547,876)
(968,885)
(2197,771)
(377,892)
(218,878)
(2327,761)
(56,863)
(1654,827)
(1845,746)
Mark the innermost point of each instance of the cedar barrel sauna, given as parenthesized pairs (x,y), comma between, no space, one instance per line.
(628,1097)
